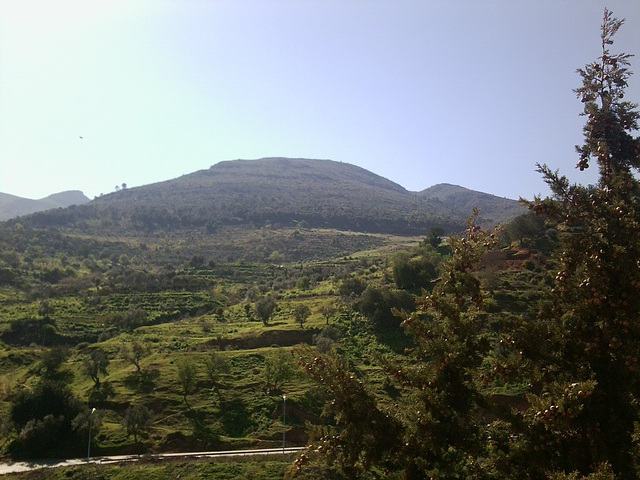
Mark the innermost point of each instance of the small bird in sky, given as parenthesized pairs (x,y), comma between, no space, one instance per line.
(80,137)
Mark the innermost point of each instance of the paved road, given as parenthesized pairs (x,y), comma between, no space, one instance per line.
(15,467)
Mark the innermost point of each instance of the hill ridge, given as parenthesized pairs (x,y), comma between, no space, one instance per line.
(281,192)
(12,206)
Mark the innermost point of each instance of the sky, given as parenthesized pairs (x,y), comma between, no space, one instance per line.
(97,93)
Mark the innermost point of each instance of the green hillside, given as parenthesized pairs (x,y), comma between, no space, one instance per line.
(277,192)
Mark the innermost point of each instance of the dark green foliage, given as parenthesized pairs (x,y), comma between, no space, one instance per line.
(137,420)
(443,429)
(527,229)
(365,434)
(415,271)
(301,312)
(435,236)
(278,370)
(378,306)
(352,287)
(589,376)
(47,398)
(265,308)
(303,283)
(130,320)
(436,429)
(187,376)
(88,419)
(326,339)
(25,331)
(95,364)
(43,418)
(52,359)
(216,367)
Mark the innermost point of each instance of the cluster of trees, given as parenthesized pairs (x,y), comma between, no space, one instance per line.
(50,420)
(579,356)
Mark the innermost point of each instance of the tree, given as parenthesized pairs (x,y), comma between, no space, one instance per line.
(365,434)
(443,434)
(216,366)
(137,419)
(411,272)
(278,369)
(435,236)
(328,311)
(591,323)
(352,287)
(85,418)
(96,364)
(134,353)
(187,376)
(378,305)
(301,312)
(326,339)
(303,283)
(52,360)
(265,308)
(45,309)
(436,429)
(48,397)
(43,418)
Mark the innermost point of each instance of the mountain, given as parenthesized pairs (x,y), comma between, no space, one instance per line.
(463,200)
(12,206)
(278,192)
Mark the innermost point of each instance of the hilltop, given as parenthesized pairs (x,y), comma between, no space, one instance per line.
(279,192)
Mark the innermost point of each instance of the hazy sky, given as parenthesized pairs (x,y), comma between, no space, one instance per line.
(96,93)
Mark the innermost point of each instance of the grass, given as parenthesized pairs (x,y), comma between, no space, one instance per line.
(238,468)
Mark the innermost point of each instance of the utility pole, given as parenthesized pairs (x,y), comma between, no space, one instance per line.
(284,420)
(89,443)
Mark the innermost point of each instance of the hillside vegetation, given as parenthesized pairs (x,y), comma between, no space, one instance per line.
(180,304)
(276,192)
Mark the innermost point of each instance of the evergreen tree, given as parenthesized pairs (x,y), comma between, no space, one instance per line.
(361,434)
(588,376)
(436,429)
(444,434)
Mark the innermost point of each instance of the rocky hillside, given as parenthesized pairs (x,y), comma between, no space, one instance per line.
(278,192)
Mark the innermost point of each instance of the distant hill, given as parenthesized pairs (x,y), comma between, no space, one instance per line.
(13,206)
(279,192)
(463,200)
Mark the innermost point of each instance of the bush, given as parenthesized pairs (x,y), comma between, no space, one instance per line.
(378,305)
(413,272)
(43,418)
